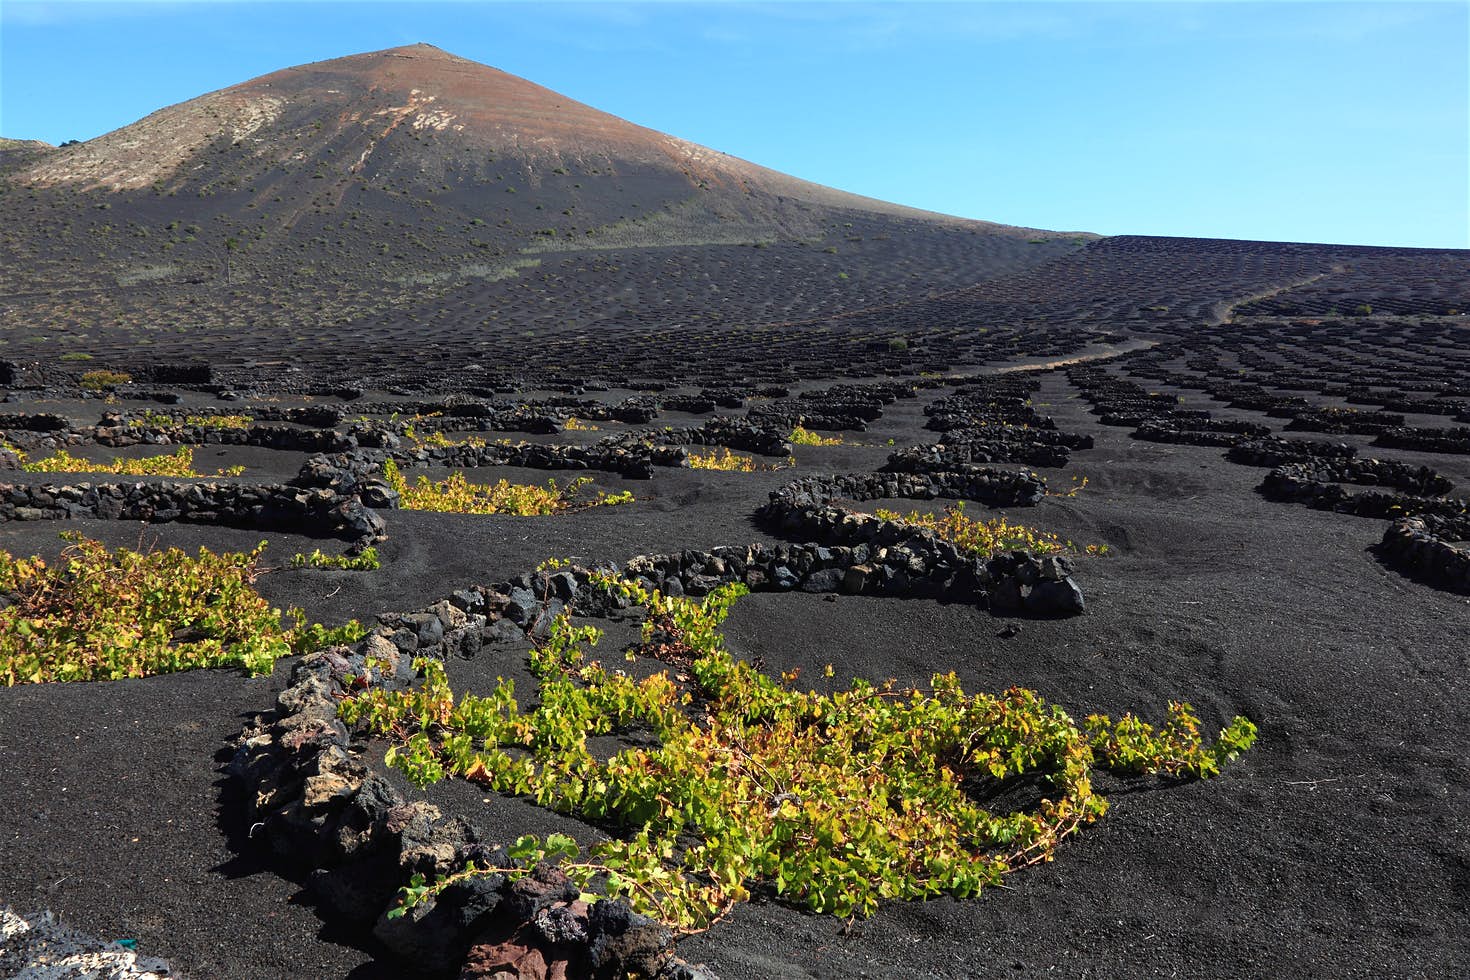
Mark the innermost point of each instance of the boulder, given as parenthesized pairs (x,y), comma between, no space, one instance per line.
(624,942)
(1062,598)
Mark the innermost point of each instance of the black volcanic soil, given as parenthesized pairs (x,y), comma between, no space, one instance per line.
(1335,848)
(294,271)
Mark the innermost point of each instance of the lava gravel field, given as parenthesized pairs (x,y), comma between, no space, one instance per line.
(1335,847)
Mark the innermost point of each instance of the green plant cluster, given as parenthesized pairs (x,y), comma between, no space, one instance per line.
(988,537)
(368,561)
(438,440)
(179,463)
(801,436)
(158,420)
(836,801)
(104,615)
(101,614)
(457,495)
(307,637)
(103,380)
(721,458)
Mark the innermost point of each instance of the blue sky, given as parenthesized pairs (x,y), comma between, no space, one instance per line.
(1330,122)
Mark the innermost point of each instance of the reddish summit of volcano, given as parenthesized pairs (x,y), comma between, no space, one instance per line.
(346,112)
(429,88)
(358,186)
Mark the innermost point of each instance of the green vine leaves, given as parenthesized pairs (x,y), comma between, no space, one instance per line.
(102,613)
(834,802)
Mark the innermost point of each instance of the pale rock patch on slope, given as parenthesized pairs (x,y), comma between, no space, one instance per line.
(156,146)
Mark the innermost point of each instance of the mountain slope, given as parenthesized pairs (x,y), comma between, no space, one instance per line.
(353,107)
(450,132)
(368,187)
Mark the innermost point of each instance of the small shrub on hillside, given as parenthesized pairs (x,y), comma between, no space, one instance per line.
(435,439)
(1078,485)
(307,637)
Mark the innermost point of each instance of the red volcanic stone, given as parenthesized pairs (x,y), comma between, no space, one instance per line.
(519,957)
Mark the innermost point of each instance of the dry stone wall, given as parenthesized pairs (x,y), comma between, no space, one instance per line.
(1433,547)
(316,804)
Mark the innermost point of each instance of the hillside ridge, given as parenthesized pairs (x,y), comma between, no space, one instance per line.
(421,89)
